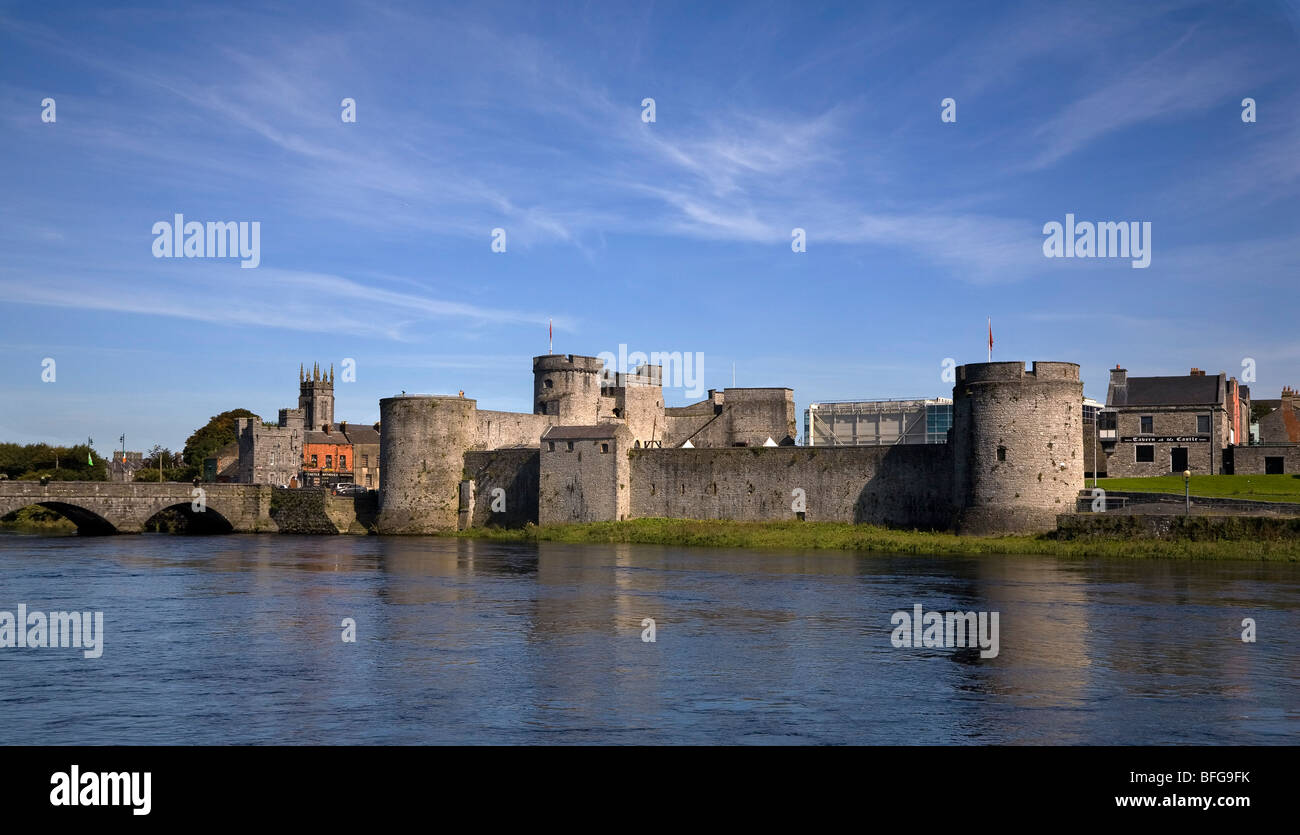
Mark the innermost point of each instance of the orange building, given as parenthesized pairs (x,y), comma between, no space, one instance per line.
(326,457)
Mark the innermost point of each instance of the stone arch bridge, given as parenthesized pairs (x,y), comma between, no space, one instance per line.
(102,507)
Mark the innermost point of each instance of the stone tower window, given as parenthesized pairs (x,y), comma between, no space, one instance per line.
(1002,453)
(604,448)
(550,446)
(570,446)
(548,383)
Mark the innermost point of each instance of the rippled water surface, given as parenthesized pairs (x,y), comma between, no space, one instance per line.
(237,639)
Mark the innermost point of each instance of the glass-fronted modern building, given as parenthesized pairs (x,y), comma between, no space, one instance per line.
(878,422)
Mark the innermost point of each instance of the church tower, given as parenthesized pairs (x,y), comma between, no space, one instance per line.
(316,396)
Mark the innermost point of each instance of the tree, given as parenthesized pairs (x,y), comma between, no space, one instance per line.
(60,463)
(171,471)
(211,437)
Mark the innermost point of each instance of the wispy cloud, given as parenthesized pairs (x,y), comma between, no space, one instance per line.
(267,298)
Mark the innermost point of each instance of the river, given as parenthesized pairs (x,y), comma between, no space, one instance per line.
(239,639)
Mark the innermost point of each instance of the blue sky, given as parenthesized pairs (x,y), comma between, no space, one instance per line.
(665,236)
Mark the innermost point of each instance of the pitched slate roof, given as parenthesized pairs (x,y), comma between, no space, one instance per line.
(361,434)
(1170,391)
(577,433)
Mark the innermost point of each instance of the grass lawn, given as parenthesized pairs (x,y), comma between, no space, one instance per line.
(1262,488)
(846,537)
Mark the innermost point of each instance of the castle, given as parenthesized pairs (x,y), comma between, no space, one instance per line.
(601,446)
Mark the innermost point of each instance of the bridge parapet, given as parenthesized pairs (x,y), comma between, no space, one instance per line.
(125,508)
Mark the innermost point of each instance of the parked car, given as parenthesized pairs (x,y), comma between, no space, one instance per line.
(348,489)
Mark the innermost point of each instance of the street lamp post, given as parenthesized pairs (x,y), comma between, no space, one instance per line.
(1096,423)
(1187,492)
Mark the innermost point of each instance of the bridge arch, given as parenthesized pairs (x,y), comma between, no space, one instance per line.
(104,507)
(208,521)
(88,522)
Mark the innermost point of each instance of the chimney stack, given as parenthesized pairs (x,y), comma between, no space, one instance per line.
(1117,392)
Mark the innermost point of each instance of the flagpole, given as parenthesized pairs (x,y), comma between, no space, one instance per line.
(990,339)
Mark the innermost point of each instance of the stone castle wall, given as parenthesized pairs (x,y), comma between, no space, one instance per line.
(499,430)
(422,441)
(1017,445)
(584,479)
(897,485)
(1013,463)
(515,471)
(1249,460)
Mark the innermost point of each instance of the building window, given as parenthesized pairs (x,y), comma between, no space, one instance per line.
(368,482)
(1146,454)
(548,383)
(1202,424)
(365,460)
(938,420)
(1274,465)
(1002,453)
(570,446)
(1147,425)
(343,462)
(313,460)
(329,462)
(604,448)
(550,446)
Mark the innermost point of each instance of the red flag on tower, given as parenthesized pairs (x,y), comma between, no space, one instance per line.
(550,337)
(990,339)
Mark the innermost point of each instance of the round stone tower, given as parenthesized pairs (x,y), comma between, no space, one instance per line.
(422,443)
(1017,445)
(568,386)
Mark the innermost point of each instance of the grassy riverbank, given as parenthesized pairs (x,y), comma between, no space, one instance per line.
(845,537)
(37,519)
(1259,488)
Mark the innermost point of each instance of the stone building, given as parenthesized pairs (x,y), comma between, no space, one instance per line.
(1281,424)
(123,465)
(306,447)
(571,391)
(1017,445)
(224,466)
(1274,447)
(326,457)
(268,454)
(1165,425)
(607,449)
(364,443)
(584,473)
